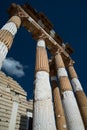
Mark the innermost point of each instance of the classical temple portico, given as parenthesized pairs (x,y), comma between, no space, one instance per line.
(70,110)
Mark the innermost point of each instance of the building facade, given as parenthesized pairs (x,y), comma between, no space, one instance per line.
(15,110)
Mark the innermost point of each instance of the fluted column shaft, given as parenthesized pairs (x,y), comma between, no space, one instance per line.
(7,34)
(58,108)
(79,93)
(43,118)
(73,117)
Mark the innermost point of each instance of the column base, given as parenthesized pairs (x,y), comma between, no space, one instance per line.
(73,116)
(43,115)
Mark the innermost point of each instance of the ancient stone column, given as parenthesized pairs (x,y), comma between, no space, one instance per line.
(58,108)
(43,117)
(7,34)
(73,117)
(79,93)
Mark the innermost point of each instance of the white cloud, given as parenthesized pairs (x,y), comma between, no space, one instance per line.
(13,67)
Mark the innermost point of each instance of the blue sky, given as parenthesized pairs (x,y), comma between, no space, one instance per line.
(70,22)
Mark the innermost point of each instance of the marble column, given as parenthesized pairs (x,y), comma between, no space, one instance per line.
(72,113)
(79,93)
(43,117)
(58,108)
(7,33)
